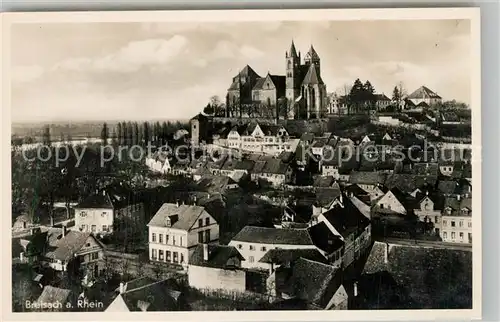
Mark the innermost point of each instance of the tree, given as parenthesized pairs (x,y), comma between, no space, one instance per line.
(396,96)
(130,133)
(124,134)
(119,133)
(147,133)
(135,134)
(46,135)
(356,96)
(369,95)
(284,107)
(104,133)
(208,110)
(114,140)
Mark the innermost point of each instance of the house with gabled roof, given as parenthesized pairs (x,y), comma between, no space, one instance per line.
(66,250)
(175,230)
(423,96)
(99,213)
(268,90)
(347,222)
(319,285)
(394,201)
(216,267)
(457,220)
(254,242)
(147,295)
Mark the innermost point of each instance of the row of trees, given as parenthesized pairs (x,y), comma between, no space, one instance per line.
(134,133)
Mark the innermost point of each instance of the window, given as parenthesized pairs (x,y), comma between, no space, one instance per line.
(173,239)
(94,228)
(153,253)
(103,214)
(251,247)
(207,235)
(381,206)
(452,223)
(445,235)
(470,237)
(207,221)
(469,224)
(445,223)
(200,222)
(240,246)
(200,237)
(83,214)
(263,248)
(104,228)
(436,219)
(94,256)
(167,255)
(180,241)
(461,236)
(166,239)
(465,211)
(452,235)
(182,258)
(153,237)
(250,259)
(461,223)
(176,259)
(160,254)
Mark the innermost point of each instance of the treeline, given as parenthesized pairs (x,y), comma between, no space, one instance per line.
(135,133)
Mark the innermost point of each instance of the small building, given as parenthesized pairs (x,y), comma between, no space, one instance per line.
(54,299)
(254,242)
(146,295)
(272,171)
(347,222)
(214,267)
(158,162)
(67,251)
(175,231)
(319,285)
(457,220)
(113,206)
(423,95)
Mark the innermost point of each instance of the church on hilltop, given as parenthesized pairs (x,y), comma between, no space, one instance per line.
(302,86)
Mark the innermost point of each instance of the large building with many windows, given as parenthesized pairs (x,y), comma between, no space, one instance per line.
(175,231)
(457,220)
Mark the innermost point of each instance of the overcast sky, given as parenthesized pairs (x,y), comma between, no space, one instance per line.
(137,71)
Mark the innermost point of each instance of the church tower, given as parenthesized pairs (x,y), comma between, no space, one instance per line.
(312,57)
(292,74)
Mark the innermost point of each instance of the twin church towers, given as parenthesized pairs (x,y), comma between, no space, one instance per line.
(302,86)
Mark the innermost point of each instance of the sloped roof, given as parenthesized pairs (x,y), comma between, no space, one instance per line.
(285,256)
(187,215)
(312,54)
(151,297)
(96,201)
(346,218)
(325,196)
(293,51)
(219,256)
(324,238)
(365,177)
(51,294)
(409,182)
(64,248)
(314,282)
(423,92)
(259,84)
(266,235)
(312,76)
(275,166)
(381,97)
(414,269)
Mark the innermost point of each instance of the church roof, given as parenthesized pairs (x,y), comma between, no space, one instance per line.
(312,54)
(312,76)
(423,92)
(293,51)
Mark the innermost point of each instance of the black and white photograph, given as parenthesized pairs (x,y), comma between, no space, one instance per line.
(272,161)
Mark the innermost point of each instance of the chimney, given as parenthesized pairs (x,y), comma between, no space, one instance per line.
(194,200)
(458,197)
(21,256)
(205,252)
(177,203)
(386,253)
(64,231)
(355,289)
(122,288)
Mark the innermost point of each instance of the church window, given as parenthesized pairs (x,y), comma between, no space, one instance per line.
(289,64)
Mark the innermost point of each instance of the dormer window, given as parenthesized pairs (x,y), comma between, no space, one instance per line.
(168,222)
(465,211)
(83,214)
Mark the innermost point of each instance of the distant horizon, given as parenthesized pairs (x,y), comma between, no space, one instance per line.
(161,71)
